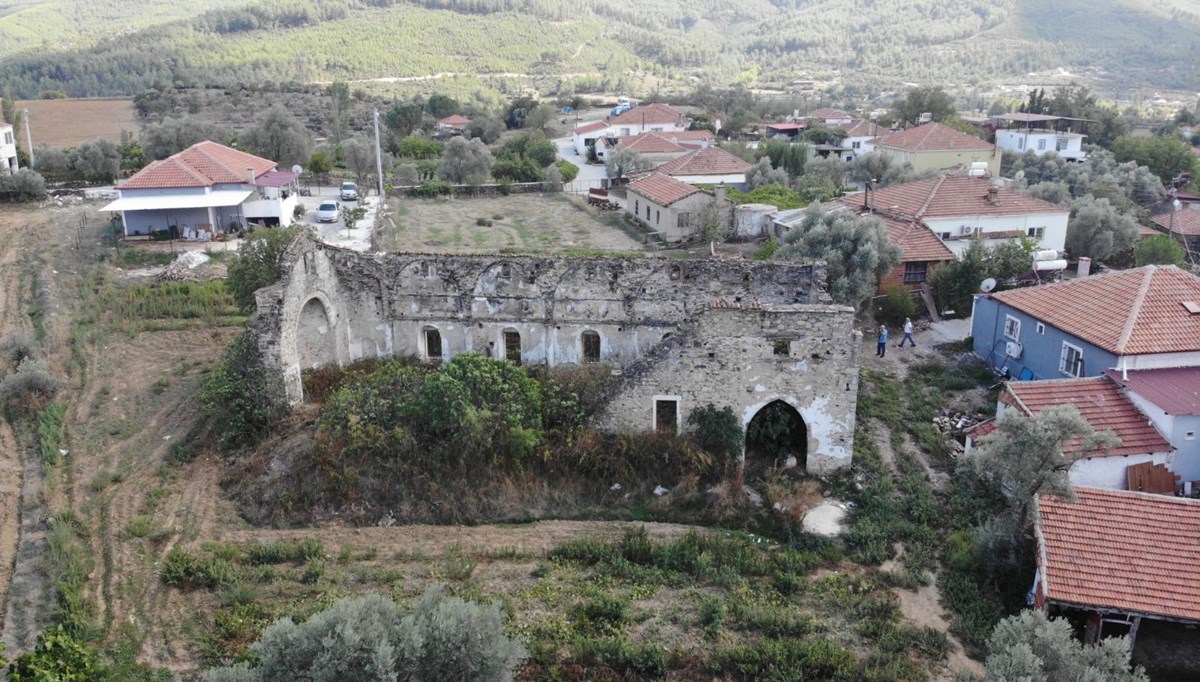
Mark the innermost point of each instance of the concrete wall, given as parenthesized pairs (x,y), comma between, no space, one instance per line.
(941,160)
(1041,142)
(666,220)
(1182,431)
(1052,225)
(335,306)
(1109,472)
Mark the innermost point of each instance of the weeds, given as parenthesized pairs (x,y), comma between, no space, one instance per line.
(283,552)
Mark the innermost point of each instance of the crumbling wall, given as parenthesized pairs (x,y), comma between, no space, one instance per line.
(335,305)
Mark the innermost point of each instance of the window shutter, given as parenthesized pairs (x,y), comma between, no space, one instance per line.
(1062,360)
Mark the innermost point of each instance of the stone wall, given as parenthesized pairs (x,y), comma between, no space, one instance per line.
(338,306)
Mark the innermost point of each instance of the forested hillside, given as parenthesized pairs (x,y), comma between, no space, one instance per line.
(96,47)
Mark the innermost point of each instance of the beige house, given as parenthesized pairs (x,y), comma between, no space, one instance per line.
(666,205)
(934,146)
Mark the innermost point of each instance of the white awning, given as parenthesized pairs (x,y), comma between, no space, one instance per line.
(166,202)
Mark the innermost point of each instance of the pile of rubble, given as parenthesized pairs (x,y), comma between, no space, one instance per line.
(956,425)
(181,268)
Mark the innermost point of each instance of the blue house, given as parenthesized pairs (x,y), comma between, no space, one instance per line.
(1144,318)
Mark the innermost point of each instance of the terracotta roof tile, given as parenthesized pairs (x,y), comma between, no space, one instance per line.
(953,196)
(710,161)
(916,241)
(859,129)
(457,121)
(826,113)
(1130,551)
(651,143)
(1101,402)
(1130,312)
(1185,222)
(648,114)
(200,165)
(663,190)
(933,137)
(591,127)
(1174,390)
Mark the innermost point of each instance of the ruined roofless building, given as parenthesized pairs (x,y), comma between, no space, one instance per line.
(681,334)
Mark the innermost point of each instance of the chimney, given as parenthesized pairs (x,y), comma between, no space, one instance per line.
(1085,266)
(250,176)
(993,196)
(720,193)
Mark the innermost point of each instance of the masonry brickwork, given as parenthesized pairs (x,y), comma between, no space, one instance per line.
(733,333)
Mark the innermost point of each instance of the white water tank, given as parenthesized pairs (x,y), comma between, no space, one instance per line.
(1045,254)
(752,221)
(1044,265)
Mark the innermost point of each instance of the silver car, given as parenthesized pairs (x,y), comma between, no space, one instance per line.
(327,212)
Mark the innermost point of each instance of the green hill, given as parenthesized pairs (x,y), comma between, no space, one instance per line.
(96,47)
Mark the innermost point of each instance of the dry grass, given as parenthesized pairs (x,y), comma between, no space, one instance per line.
(67,122)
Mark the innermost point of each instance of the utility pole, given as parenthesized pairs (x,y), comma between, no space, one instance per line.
(28,137)
(378,160)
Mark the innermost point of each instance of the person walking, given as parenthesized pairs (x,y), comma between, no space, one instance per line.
(881,351)
(907,333)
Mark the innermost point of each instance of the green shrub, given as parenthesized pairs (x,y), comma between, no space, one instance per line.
(27,390)
(622,656)
(785,660)
(567,170)
(718,431)
(185,570)
(897,303)
(603,613)
(282,552)
(259,262)
(243,396)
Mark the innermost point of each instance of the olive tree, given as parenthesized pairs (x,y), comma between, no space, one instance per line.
(280,137)
(1029,647)
(465,162)
(856,250)
(1098,230)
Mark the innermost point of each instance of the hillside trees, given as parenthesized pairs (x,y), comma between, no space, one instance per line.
(923,100)
(359,155)
(1165,155)
(1161,249)
(24,185)
(855,248)
(465,162)
(279,137)
(258,263)
(160,140)
(243,395)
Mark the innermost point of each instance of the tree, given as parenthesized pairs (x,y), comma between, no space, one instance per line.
(243,396)
(8,108)
(954,284)
(319,163)
(96,161)
(1161,249)
(702,122)
(791,157)
(924,100)
(718,431)
(621,161)
(856,250)
(567,170)
(517,170)
(339,110)
(403,118)
(440,106)
(414,147)
(517,112)
(486,128)
(442,639)
(1125,184)
(160,140)
(360,158)
(1029,647)
(279,137)
(541,151)
(465,162)
(258,263)
(881,170)
(24,185)
(762,173)
(1036,104)
(132,157)
(1098,230)
(406,174)
(1166,156)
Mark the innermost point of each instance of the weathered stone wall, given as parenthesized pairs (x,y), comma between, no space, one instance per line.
(337,306)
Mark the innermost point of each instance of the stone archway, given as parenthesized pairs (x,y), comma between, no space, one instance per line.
(775,433)
(316,342)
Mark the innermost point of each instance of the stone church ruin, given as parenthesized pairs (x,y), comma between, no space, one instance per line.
(681,334)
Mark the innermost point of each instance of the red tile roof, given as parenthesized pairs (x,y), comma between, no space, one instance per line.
(953,196)
(1129,551)
(1174,390)
(591,127)
(663,190)
(981,429)
(1129,312)
(710,161)
(827,113)
(916,241)
(651,143)
(933,137)
(456,121)
(786,126)
(859,129)
(1101,402)
(1184,221)
(648,114)
(203,164)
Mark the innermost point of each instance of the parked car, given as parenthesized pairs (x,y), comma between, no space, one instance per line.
(327,212)
(349,191)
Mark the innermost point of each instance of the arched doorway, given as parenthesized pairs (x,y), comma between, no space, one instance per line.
(315,343)
(776,432)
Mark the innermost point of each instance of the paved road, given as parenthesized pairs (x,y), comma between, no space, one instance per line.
(590,175)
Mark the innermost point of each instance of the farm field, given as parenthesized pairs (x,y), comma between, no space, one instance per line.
(525,223)
(65,123)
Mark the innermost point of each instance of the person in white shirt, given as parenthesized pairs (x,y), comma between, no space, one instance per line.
(908,331)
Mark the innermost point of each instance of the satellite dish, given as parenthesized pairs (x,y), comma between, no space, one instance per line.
(297,169)
(987,285)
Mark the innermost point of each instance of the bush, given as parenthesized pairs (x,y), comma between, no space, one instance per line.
(441,638)
(783,660)
(1161,249)
(24,185)
(28,389)
(259,263)
(283,552)
(16,347)
(243,396)
(185,570)
(896,304)
(567,170)
(718,431)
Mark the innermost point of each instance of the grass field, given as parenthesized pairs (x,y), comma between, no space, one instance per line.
(65,123)
(519,223)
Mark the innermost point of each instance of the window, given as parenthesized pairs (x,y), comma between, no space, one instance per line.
(782,347)
(1071,362)
(8,138)
(1020,143)
(1012,328)
(1036,232)
(915,273)
(666,414)
(647,214)
(591,346)
(945,236)
(624,132)
(855,145)
(657,216)
(512,347)
(425,269)
(1042,145)
(1060,144)
(433,344)
(659,129)
(1190,435)
(505,271)
(635,206)
(1041,329)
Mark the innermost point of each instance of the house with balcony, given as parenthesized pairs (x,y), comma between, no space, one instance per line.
(934,146)
(1040,134)
(8,149)
(203,191)
(1128,320)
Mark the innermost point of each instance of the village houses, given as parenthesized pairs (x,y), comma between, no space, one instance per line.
(8,149)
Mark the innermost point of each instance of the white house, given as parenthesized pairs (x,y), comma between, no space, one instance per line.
(856,137)
(708,166)
(589,132)
(657,147)
(1104,405)
(8,149)
(1038,133)
(1170,397)
(958,209)
(648,118)
(202,190)
(666,205)
(454,124)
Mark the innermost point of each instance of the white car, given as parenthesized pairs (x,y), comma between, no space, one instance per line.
(327,212)
(349,191)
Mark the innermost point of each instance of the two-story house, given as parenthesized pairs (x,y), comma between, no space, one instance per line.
(935,146)
(8,149)
(1040,134)
(1144,318)
(203,190)
(856,137)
